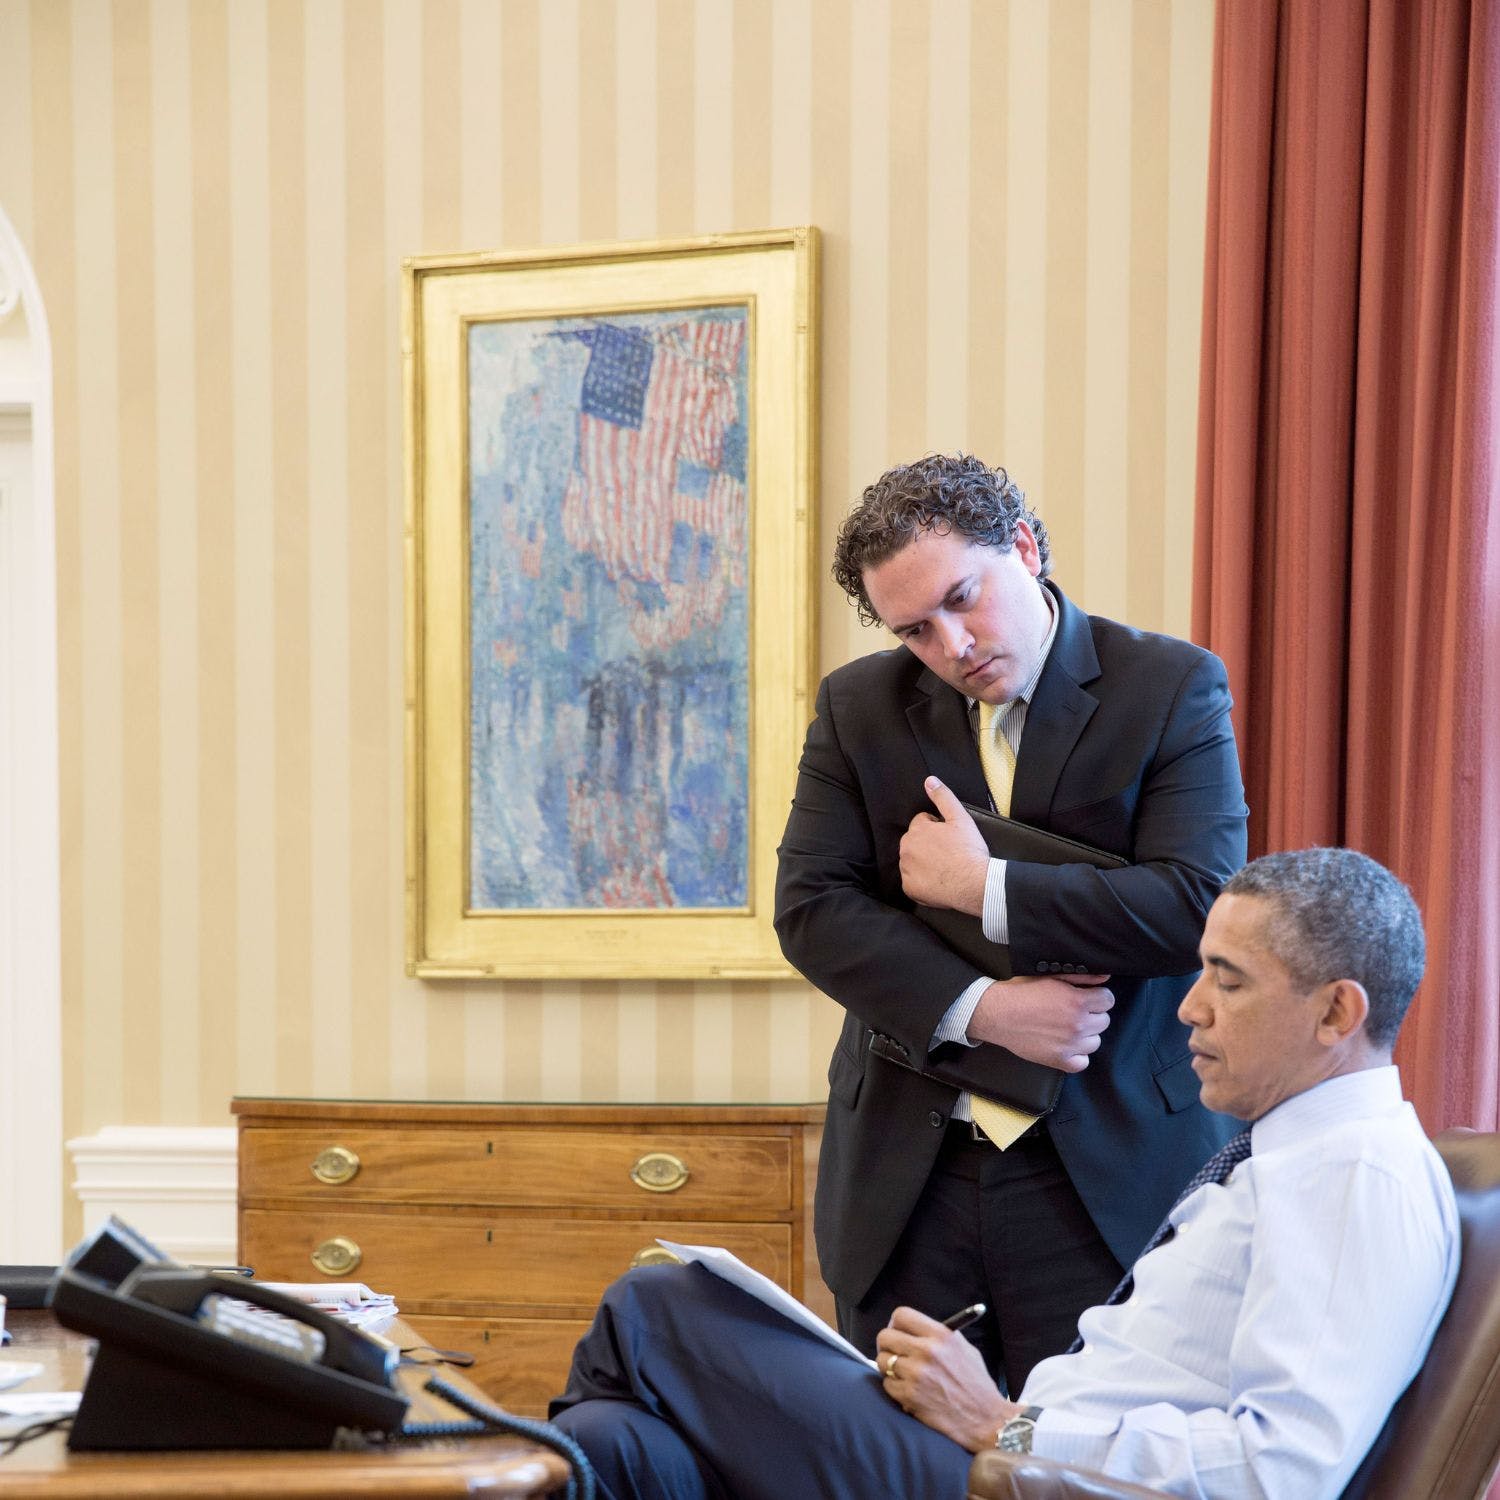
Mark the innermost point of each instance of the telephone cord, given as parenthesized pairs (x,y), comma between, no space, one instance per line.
(489,1417)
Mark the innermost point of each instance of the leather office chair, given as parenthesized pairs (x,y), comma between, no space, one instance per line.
(1442,1440)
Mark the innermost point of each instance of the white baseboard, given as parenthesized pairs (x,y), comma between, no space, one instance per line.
(174,1184)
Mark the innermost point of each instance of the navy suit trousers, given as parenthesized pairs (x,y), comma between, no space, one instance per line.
(687,1388)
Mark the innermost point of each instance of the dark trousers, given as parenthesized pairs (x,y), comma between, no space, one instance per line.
(687,1388)
(1006,1228)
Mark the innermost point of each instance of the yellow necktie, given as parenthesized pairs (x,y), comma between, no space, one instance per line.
(1002,1124)
(995,754)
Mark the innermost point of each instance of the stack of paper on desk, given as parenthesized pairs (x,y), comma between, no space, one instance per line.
(350,1302)
(735,1271)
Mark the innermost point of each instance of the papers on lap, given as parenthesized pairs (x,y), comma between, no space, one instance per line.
(737,1273)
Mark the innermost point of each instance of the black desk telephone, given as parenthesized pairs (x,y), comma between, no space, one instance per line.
(182,1362)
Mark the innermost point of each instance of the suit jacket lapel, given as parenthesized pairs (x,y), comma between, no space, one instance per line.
(1060,708)
(939,719)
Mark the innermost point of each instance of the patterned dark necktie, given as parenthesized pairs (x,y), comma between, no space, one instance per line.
(1216,1169)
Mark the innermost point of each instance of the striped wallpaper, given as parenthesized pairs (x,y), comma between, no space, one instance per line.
(217,195)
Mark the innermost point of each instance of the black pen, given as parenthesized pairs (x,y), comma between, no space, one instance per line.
(964,1316)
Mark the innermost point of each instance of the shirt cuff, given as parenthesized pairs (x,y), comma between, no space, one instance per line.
(1072,1439)
(954,1027)
(996,918)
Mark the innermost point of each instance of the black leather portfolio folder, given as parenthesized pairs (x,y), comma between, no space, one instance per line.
(993,1071)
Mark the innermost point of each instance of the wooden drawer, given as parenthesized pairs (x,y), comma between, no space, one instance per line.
(521,1362)
(515,1261)
(548,1168)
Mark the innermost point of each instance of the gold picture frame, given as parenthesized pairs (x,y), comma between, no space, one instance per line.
(610,604)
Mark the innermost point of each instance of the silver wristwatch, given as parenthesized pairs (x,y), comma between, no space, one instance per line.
(1015,1436)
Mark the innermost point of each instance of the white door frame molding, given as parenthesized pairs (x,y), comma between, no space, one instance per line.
(31,1129)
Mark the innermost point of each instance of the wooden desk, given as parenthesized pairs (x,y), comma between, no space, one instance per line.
(45,1469)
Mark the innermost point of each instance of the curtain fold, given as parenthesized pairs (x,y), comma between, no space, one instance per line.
(1347,556)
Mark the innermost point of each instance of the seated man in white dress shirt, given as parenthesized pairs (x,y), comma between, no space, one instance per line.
(1258,1344)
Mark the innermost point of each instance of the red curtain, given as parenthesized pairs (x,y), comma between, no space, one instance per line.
(1347,553)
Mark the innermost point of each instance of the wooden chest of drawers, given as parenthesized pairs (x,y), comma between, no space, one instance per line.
(496,1227)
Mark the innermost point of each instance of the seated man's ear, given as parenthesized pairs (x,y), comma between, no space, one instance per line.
(1345,1006)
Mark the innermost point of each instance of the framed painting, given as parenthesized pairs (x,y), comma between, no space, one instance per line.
(610,603)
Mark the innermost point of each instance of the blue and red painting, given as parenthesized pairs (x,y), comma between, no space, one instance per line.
(609,611)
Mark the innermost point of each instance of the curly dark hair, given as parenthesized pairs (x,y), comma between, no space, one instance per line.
(1337,914)
(941,492)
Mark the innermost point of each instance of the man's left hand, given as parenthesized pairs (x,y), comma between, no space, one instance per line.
(944,859)
(940,1378)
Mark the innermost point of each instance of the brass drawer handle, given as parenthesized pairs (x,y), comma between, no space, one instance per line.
(659,1172)
(654,1255)
(336,1257)
(334,1165)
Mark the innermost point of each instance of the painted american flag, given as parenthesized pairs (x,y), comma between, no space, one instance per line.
(655,408)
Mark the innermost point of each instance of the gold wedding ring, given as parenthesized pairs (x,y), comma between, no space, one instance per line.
(890,1369)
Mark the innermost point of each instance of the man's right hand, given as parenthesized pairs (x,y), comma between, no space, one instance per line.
(1057,1022)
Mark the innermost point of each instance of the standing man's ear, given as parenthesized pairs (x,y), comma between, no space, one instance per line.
(1345,1006)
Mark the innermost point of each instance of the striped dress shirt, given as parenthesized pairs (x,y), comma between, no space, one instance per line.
(1265,1342)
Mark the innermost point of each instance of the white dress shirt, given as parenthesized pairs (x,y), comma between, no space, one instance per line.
(995,923)
(1265,1342)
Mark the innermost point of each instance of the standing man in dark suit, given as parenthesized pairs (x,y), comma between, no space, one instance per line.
(1112,736)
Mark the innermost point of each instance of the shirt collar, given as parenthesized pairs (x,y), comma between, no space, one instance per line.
(1370,1091)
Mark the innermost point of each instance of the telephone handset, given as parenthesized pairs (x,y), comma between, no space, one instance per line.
(182,1362)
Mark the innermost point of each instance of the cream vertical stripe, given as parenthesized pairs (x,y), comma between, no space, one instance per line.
(1105,570)
(869,241)
(15,117)
(1145,496)
(906,244)
(291,579)
(560,154)
(330,659)
(713,154)
(989,218)
(219,194)
(54,233)
(791,107)
(599,1041)
(1027,289)
(252,838)
(520,104)
(676,60)
(594,65)
(442,127)
(949,124)
(750,159)
(635,1042)
(140,583)
(1191,94)
(635,134)
(213,559)
(99,555)
(402,153)
(713,1064)
(1064,415)
(179,1051)
(832,205)
(375,526)
(480,33)
(561,1073)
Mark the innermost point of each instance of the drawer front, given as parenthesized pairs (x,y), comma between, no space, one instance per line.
(452,1258)
(681,1175)
(520,1362)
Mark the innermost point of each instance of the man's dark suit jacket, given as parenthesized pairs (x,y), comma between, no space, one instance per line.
(1127,747)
